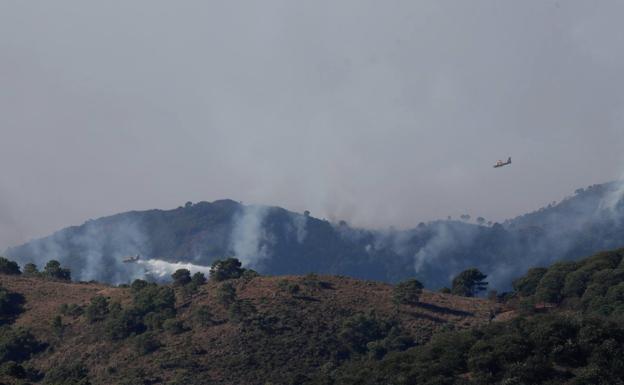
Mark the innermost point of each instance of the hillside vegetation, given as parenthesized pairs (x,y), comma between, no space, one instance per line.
(235,329)
(563,324)
(279,242)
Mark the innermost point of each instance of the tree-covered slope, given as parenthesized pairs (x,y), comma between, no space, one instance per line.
(276,241)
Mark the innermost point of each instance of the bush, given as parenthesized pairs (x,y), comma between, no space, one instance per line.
(53,270)
(121,324)
(293,289)
(12,369)
(407,292)
(203,316)
(226,269)
(57,325)
(9,267)
(249,274)
(154,298)
(146,343)
(30,269)
(226,294)
(97,310)
(174,326)
(75,374)
(10,305)
(73,310)
(241,310)
(359,330)
(17,344)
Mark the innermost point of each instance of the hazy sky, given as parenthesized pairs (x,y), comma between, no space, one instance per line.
(377,112)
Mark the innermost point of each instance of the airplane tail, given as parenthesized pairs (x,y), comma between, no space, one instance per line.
(509,160)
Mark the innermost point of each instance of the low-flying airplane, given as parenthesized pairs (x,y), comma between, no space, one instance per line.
(500,163)
(131,259)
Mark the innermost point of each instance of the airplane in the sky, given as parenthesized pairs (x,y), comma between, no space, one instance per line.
(131,259)
(500,163)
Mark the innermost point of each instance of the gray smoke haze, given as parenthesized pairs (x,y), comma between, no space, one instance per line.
(380,113)
(250,240)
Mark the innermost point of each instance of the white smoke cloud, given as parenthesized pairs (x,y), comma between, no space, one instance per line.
(614,197)
(160,269)
(250,240)
(300,222)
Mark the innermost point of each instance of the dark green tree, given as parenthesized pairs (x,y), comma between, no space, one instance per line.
(30,269)
(226,294)
(526,286)
(181,277)
(226,269)
(97,310)
(469,283)
(198,279)
(9,267)
(54,270)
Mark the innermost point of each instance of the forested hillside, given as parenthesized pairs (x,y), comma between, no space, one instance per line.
(273,240)
(563,324)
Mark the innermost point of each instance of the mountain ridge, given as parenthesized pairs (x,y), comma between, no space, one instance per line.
(274,240)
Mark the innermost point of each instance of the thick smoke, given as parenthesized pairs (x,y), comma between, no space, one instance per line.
(95,252)
(161,270)
(578,226)
(275,241)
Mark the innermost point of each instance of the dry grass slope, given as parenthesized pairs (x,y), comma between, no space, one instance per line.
(302,328)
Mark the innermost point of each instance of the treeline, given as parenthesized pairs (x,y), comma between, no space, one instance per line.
(52,270)
(580,339)
(594,285)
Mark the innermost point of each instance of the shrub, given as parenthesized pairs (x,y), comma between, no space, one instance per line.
(241,310)
(30,269)
(97,310)
(359,330)
(293,289)
(54,270)
(17,344)
(121,324)
(154,321)
(203,316)
(226,294)
(154,298)
(226,269)
(9,267)
(146,343)
(10,304)
(407,292)
(57,325)
(73,310)
(12,369)
(174,326)
(249,274)
(75,374)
